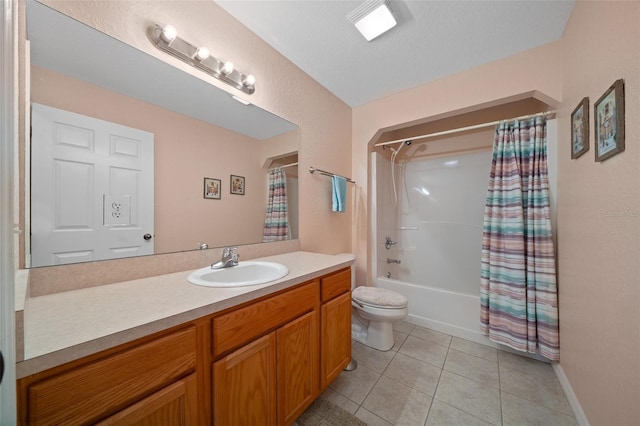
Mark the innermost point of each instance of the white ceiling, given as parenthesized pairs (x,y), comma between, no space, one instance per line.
(433,39)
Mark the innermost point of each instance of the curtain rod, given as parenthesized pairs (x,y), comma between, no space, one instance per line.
(463,129)
(283,166)
(323,172)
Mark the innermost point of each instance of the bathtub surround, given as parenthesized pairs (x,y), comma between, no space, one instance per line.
(438,228)
(518,293)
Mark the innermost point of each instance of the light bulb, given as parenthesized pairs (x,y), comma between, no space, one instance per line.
(227,68)
(169,33)
(202,53)
(249,81)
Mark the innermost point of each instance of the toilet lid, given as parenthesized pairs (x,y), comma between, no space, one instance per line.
(379,297)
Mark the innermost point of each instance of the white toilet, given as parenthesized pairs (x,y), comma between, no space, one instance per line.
(375,310)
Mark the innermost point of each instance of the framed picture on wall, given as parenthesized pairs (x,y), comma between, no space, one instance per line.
(580,129)
(237,185)
(608,114)
(212,188)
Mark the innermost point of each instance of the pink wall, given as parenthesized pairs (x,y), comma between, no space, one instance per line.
(186,151)
(281,88)
(599,219)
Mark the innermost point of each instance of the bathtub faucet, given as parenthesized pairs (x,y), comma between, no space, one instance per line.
(388,242)
(393,261)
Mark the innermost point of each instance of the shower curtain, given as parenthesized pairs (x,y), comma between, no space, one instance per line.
(518,293)
(276,222)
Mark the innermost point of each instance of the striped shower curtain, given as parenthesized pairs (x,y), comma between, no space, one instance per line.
(518,294)
(276,223)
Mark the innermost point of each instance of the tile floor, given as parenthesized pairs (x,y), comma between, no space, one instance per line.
(430,378)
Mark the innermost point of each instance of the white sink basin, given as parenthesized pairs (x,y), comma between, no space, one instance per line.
(243,274)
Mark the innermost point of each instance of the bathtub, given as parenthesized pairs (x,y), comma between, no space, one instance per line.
(456,314)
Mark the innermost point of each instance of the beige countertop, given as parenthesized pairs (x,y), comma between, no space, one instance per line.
(62,327)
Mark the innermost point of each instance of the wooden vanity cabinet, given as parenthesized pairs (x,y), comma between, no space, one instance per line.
(271,378)
(174,405)
(263,362)
(135,384)
(335,328)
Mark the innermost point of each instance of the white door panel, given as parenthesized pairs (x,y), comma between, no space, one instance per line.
(92,188)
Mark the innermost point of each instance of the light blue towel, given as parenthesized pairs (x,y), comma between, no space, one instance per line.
(339,193)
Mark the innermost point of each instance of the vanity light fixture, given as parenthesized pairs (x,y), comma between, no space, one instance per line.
(373,18)
(202,53)
(166,39)
(242,101)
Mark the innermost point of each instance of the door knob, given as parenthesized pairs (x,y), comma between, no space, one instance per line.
(147,237)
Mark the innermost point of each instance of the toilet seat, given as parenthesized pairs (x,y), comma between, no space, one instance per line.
(380,298)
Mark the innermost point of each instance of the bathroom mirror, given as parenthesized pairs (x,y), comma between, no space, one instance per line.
(201,134)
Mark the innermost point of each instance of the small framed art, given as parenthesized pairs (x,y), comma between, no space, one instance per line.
(212,188)
(609,122)
(580,129)
(237,185)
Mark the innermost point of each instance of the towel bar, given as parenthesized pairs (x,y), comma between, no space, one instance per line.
(323,172)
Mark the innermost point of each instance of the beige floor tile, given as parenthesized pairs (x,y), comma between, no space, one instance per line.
(397,403)
(473,348)
(431,335)
(370,419)
(424,350)
(468,395)
(403,327)
(474,368)
(519,412)
(372,358)
(414,373)
(398,340)
(523,363)
(534,381)
(442,414)
(339,400)
(355,384)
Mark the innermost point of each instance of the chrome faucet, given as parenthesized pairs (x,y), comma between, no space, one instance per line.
(229,258)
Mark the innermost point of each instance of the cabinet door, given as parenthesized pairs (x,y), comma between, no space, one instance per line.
(335,332)
(177,404)
(244,385)
(297,353)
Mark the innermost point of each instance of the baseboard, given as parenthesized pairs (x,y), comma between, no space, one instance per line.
(578,413)
(450,329)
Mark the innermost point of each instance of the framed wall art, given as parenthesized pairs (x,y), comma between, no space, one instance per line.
(580,129)
(212,188)
(237,185)
(608,114)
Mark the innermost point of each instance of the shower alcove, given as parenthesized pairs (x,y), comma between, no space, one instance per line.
(430,201)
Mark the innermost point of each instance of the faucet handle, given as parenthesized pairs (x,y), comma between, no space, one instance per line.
(228,251)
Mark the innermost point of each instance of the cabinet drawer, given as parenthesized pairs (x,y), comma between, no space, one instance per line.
(91,392)
(336,284)
(242,325)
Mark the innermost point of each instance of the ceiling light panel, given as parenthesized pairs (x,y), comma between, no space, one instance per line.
(373,18)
